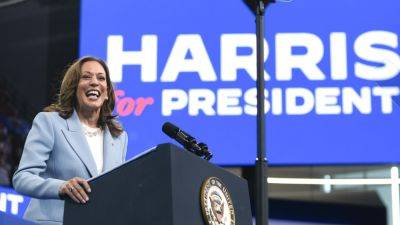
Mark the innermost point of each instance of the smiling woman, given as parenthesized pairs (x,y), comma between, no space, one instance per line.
(92,88)
(74,139)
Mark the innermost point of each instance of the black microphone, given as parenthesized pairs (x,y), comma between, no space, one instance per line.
(177,134)
(187,141)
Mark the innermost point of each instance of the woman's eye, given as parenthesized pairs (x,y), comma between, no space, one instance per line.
(102,78)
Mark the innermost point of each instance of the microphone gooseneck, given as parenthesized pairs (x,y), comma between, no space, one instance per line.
(187,141)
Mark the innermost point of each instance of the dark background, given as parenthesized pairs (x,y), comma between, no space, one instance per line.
(39,39)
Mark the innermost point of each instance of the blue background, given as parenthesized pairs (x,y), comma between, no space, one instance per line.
(290,140)
(21,206)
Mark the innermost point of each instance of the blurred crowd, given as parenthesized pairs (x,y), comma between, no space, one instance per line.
(13,131)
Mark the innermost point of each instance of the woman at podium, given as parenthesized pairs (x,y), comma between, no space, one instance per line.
(74,139)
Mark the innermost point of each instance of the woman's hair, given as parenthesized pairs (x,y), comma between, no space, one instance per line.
(66,99)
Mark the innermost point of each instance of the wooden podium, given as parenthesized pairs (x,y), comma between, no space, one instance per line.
(161,187)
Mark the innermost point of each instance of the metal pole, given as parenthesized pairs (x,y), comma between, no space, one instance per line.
(261,161)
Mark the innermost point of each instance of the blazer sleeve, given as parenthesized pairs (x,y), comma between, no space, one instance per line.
(34,161)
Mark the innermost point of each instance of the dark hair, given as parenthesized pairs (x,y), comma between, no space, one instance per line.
(66,99)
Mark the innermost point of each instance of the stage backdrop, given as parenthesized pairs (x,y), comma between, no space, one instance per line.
(332,76)
(12,203)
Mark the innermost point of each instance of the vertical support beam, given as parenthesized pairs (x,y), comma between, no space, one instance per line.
(261,161)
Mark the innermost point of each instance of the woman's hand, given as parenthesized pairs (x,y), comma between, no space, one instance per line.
(77,189)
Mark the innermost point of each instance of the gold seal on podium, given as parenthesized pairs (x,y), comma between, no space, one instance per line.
(216,203)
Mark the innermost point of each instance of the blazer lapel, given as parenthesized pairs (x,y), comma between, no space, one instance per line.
(77,140)
(110,153)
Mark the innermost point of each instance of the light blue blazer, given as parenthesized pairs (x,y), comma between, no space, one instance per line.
(56,150)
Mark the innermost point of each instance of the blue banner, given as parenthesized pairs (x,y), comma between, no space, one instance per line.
(12,203)
(332,76)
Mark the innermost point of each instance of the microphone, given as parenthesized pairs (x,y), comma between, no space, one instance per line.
(187,141)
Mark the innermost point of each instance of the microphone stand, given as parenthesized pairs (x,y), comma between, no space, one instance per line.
(261,164)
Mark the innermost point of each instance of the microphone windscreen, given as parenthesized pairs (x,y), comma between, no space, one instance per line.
(170,129)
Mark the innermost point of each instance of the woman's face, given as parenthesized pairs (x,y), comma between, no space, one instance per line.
(92,87)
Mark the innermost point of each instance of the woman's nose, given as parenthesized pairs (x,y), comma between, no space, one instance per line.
(94,81)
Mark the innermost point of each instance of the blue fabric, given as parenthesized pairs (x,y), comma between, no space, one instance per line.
(56,150)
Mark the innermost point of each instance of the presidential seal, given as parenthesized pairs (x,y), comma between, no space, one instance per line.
(216,203)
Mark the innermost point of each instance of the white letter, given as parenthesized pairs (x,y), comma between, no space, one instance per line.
(338,56)
(146,58)
(228,102)
(15,201)
(201,99)
(231,62)
(386,94)
(292,95)
(351,98)
(326,100)
(3,202)
(173,99)
(250,97)
(276,101)
(308,63)
(365,49)
(199,61)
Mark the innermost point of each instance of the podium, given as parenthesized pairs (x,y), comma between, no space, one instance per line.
(161,187)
